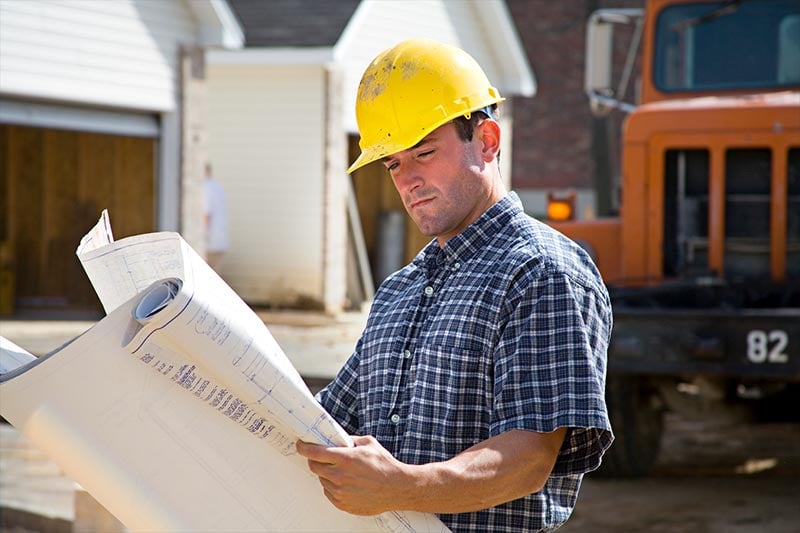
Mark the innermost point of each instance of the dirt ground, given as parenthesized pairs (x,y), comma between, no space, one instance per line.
(711,477)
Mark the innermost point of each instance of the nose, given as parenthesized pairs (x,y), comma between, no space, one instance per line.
(407,176)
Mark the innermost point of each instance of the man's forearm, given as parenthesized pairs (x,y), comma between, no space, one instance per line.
(495,471)
(367,480)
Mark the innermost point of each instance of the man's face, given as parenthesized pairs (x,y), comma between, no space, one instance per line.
(441,182)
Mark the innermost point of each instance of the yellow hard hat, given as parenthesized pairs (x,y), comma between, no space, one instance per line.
(410,90)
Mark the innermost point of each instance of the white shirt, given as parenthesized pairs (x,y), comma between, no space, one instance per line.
(217,238)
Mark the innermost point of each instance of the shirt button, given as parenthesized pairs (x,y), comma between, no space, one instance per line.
(407,354)
(428,291)
(395,418)
(456,265)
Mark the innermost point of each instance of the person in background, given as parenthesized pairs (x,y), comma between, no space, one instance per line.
(477,389)
(216,220)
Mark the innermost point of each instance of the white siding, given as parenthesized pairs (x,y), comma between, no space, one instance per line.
(266,140)
(113,52)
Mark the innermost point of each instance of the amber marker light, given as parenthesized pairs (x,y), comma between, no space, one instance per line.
(560,209)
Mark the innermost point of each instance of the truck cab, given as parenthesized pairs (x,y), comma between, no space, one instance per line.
(702,257)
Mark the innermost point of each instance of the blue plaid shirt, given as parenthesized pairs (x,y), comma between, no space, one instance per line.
(506,327)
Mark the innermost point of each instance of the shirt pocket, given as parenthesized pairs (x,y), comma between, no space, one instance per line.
(456,383)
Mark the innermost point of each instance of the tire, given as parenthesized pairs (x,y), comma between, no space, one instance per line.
(637,419)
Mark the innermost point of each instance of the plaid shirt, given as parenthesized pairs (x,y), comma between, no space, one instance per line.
(506,327)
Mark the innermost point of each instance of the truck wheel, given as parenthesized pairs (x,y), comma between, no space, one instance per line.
(637,419)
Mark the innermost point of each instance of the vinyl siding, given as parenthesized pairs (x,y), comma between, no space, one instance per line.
(266,143)
(121,53)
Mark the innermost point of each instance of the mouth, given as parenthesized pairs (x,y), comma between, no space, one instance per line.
(419,203)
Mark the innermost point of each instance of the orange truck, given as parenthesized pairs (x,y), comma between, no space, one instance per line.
(702,256)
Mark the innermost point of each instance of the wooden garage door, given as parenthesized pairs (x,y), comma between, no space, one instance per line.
(55,183)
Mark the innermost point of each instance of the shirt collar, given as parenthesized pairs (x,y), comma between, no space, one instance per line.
(473,238)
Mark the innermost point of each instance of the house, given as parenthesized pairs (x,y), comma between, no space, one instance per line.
(101,106)
(282,133)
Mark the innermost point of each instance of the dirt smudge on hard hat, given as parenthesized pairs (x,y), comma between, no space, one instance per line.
(370,87)
(373,84)
(409,70)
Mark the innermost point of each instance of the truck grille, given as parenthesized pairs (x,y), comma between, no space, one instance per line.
(748,194)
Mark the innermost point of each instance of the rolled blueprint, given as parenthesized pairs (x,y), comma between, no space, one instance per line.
(179,411)
(156,298)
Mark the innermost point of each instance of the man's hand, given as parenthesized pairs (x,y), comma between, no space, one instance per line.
(363,480)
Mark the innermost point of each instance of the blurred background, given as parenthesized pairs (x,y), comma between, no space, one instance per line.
(687,110)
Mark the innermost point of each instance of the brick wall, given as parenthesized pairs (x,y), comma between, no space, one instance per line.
(553,131)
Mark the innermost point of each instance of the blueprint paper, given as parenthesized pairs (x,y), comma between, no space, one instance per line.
(178,411)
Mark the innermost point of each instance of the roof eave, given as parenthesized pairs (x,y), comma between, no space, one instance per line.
(219,27)
(508,47)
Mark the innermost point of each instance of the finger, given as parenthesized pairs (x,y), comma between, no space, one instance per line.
(303,448)
(332,498)
(328,486)
(320,470)
(316,452)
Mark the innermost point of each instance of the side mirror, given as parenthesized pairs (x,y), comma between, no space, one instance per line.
(598,83)
(599,41)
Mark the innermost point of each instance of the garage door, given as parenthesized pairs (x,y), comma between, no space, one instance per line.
(54,184)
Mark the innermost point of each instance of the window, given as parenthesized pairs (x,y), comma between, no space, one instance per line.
(736,44)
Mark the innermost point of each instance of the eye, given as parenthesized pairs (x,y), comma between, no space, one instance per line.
(392,165)
(426,153)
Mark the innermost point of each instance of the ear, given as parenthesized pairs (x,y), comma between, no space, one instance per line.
(488,133)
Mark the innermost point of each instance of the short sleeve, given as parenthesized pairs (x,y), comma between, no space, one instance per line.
(550,367)
(340,397)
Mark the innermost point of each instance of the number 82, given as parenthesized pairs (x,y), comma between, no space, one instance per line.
(767,347)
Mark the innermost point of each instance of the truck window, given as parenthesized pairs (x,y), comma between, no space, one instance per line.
(732,45)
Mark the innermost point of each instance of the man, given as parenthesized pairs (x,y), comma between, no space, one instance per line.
(216,220)
(477,387)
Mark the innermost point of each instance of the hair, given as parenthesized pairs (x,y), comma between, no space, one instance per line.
(466,126)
